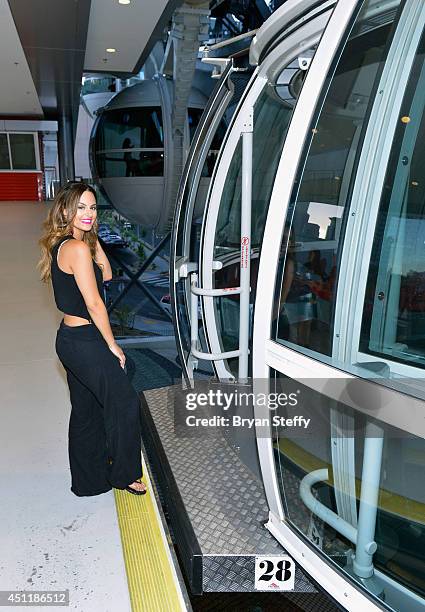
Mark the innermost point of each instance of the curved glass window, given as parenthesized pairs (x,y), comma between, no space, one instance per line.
(271,119)
(212,155)
(187,225)
(322,468)
(130,142)
(129,163)
(93,85)
(125,128)
(394,309)
(346,454)
(193,116)
(314,227)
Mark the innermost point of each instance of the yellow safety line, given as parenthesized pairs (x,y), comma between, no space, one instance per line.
(152,580)
(403,507)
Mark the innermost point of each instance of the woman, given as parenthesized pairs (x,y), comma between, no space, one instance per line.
(296,298)
(104,428)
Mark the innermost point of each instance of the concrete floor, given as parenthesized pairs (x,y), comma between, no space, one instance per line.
(50,539)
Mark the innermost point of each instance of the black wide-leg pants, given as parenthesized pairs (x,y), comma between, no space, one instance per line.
(104,438)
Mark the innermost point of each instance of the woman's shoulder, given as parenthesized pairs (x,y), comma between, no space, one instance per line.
(59,242)
(77,245)
(72,245)
(77,248)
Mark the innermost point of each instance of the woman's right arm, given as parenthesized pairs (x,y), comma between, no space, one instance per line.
(288,277)
(82,267)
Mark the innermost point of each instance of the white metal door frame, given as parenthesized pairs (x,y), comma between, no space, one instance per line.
(297,43)
(285,176)
(270,354)
(367,192)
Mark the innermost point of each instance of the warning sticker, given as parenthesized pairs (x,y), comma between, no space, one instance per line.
(244,251)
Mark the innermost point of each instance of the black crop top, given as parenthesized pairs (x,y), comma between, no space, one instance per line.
(68,297)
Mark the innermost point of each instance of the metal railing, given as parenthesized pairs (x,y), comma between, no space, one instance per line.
(244,289)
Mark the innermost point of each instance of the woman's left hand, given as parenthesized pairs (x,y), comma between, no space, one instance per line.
(118,352)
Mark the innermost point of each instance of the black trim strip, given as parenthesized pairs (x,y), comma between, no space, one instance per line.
(185,539)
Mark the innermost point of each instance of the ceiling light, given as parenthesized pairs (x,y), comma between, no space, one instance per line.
(110,50)
(123,1)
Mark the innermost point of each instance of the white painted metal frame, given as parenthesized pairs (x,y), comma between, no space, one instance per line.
(166,108)
(186,201)
(245,260)
(268,354)
(188,269)
(197,177)
(287,13)
(367,194)
(210,223)
(296,44)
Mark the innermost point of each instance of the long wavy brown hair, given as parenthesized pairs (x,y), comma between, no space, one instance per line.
(57,225)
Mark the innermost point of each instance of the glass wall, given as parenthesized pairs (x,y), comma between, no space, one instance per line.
(314,227)
(187,228)
(130,142)
(322,469)
(4,153)
(17,151)
(353,472)
(394,308)
(271,119)
(23,152)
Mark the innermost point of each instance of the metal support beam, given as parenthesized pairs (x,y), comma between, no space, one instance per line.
(371,475)
(134,279)
(364,535)
(66,149)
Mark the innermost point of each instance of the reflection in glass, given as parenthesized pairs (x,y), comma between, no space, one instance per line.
(22,151)
(194,198)
(93,85)
(139,127)
(271,120)
(394,309)
(305,296)
(400,517)
(193,116)
(128,163)
(130,142)
(4,153)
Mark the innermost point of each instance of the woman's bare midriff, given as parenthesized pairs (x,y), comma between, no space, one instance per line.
(74,321)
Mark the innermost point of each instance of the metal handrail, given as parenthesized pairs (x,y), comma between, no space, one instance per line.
(195,292)
(215,292)
(245,261)
(362,535)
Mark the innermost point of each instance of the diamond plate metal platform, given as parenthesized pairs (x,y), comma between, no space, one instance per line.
(216,505)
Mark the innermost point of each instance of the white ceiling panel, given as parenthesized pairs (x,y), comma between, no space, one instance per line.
(127,28)
(18,95)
